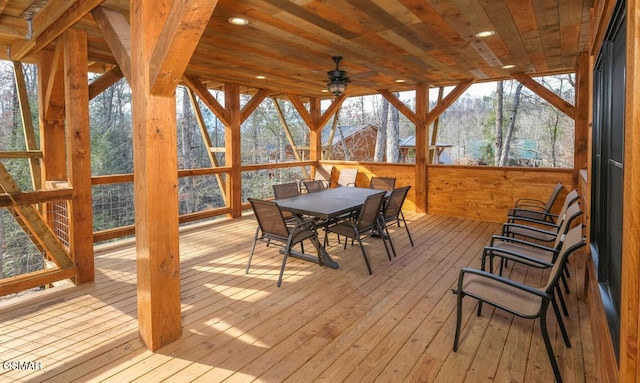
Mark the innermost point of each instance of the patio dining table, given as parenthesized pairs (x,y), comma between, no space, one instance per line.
(326,205)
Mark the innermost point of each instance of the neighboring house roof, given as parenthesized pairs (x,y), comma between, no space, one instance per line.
(343,132)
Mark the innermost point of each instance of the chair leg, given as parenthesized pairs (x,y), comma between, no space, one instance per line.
(406,227)
(364,254)
(563,329)
(562,302)
(456,338)
(547,344)
(287,249)
(255,239)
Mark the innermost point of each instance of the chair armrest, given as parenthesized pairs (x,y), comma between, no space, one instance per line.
(521,241)
(514,219)
(530,202)
(507,226)
(501,279)
(514,256)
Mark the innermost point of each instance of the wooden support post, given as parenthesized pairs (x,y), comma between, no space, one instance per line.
(51,120)
(79,148)
(422,147)
(232,143)
(163,37)
(583,106)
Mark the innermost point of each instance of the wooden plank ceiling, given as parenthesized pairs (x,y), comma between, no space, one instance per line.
(381,41)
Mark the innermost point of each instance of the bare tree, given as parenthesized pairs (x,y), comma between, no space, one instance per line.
(499,121)
(393,135)
(381,137)
(506,143)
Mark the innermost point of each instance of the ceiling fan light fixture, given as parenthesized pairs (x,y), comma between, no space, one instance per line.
(338,79)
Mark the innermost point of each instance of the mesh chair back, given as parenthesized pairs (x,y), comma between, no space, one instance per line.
(269,218)
(370,210)
(383,183)
(552,199)
(314,186)
(572,242)
(570,215)
(568,200)
(394,204)
(286,190)
(347,177)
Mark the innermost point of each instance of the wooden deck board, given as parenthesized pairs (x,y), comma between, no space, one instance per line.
(322,324)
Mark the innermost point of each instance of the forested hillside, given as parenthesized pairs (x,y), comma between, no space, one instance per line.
(507,126)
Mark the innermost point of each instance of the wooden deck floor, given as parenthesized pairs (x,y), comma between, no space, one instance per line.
(321,325)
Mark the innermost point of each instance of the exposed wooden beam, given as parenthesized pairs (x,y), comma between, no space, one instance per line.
(546,94)
(402,108)
(255,101)
(103,82)
(34,197)
(54,91)
(233,155)
(35,222)
(201,90)
(50,23)
(156,195)
(34,279)
(178,39)
(302,110)
(207,141)
(116,32)
(27,126)
(422,148)
(331,111)
(74,42)
(451,97)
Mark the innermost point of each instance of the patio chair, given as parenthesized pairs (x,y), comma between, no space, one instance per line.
(272,228)
(314,186)
(392,210)
(532,254)
(382,183)
(536,209)
(367,222)
(286,190)
(347,177)
(517,298)
(538,230)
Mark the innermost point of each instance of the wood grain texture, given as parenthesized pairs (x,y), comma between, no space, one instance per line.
(291,43)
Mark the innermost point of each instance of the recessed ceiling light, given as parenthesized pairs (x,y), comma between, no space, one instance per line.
(238,20)
(508,66)
(400,81)
(485,33)
(261,77)
(324,91)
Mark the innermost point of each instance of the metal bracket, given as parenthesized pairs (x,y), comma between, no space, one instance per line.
(29,34)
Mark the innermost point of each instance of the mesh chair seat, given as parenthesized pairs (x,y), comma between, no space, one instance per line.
(392,211)
(272,228)
(517,298)
(367,221)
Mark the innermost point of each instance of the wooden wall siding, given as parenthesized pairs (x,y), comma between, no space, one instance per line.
(487,192)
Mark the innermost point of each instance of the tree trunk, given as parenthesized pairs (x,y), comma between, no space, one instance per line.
(499,119)
(506,145)
(393,136)
(381,137)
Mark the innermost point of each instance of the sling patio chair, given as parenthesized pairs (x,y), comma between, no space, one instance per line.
(347,177)
(538,230)
(382,183)
(286,190)
(272,228)
(517,298)
(536,209)
(364,225)
(392,209)
(314,186)
(532,254)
